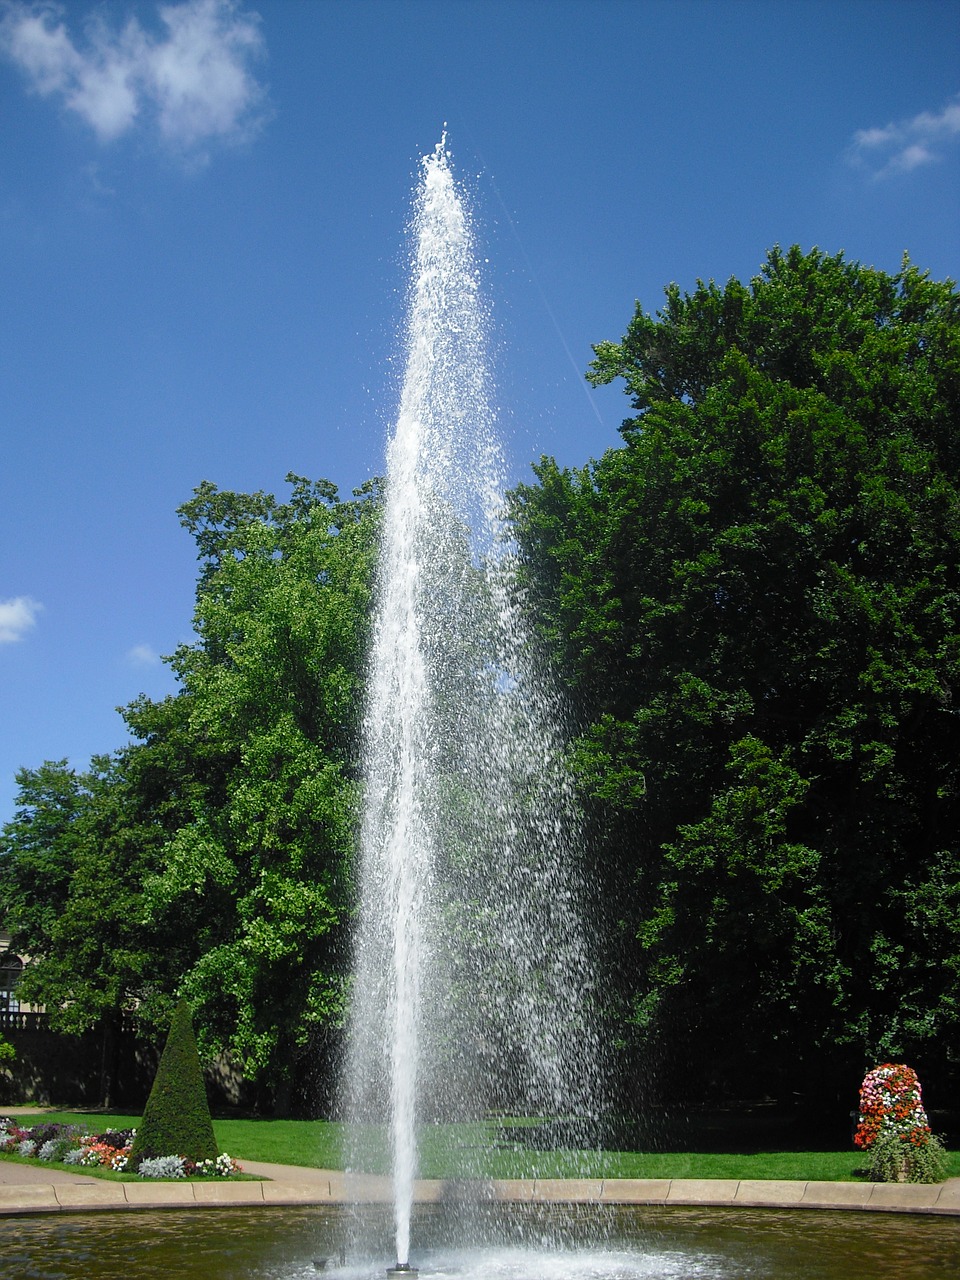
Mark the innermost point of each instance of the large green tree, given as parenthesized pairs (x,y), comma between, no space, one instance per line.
(259,873)
(755,601)
(212,856)
(38,850)
(72,867)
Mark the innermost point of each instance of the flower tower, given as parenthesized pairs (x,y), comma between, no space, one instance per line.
(892,1126)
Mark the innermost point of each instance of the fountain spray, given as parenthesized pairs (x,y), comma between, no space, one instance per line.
(471,980)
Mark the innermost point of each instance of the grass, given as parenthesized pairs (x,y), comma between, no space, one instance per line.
(312,1143)
(465,1149)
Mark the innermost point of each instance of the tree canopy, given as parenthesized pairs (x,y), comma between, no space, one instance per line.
(755,602)
(211,857)
(259,872)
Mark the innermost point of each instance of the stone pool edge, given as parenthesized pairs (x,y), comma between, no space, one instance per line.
(285,1185)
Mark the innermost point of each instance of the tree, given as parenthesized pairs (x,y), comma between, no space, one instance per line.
(74,861)
(259,872)
(38,849)
(176,1120)
(212,856)
(755,603)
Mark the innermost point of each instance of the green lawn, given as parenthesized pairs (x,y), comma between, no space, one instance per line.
(464,1150)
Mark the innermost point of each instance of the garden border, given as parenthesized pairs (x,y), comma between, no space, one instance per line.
(292,1185)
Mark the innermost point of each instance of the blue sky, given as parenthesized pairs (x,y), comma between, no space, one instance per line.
(202,214)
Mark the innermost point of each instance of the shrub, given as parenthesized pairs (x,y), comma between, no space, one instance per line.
(223,1167)
(894,1160)
(11,1135)
(177,1114)
(162,1167)
(892,1125)
(42,1133)
(54,1140)
(119,1139)
(93,1153)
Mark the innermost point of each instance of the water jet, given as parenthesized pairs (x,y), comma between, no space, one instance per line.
(472,982)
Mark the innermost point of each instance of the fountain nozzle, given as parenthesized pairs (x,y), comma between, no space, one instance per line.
(403,1271)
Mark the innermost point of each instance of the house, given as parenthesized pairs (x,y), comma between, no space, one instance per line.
(12,1012)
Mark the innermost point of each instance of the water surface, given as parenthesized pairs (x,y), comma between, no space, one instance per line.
(669,1243)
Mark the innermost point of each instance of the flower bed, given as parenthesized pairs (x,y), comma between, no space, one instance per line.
(76,1148)
(892,1126)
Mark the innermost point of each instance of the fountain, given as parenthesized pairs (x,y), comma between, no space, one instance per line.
(472,988)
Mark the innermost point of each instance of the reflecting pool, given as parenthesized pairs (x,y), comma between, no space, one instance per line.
(648,1243)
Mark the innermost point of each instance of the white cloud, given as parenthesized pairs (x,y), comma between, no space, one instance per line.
(142,655)
(200,78)
(908,144)
(17,616)
(193,83)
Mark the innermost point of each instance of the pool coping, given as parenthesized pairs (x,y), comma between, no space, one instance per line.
(289,1185)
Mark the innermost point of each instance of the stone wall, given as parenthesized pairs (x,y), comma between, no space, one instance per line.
(83,1070)
(72,1071)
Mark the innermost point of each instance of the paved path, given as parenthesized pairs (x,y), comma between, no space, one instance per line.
(35,1189)
(19,1175)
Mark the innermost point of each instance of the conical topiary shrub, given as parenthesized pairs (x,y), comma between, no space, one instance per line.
(176,1120)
